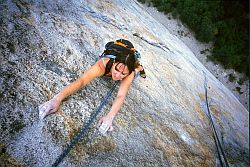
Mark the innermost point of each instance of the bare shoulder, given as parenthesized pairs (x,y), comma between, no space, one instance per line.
(102,63)
(95,70)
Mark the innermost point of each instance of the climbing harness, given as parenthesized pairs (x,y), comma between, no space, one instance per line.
(84,129)
(215,136)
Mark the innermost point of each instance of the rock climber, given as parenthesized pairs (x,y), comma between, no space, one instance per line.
(120,61)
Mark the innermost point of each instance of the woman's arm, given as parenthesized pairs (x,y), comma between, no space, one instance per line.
(122,92)
(106,121)
(94,71)
(52,105)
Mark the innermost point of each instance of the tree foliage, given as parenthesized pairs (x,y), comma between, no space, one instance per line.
(224,23)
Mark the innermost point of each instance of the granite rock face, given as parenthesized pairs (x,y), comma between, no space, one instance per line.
(45,45)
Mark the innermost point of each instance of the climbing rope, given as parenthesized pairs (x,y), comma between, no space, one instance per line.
(215,136)
(77,137)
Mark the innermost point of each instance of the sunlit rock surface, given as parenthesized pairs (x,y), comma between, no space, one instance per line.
(45,45)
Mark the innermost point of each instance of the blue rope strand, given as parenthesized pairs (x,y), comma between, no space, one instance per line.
(77,137)
(215,135)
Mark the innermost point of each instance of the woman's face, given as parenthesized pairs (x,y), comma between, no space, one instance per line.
(119,71)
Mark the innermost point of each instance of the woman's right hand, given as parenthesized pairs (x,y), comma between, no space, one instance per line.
(48,107)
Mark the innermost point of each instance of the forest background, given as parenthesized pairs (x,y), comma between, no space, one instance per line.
(222,23)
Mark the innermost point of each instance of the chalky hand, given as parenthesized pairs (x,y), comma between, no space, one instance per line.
(48,107)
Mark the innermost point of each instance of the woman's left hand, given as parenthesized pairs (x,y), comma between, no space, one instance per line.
(105,124)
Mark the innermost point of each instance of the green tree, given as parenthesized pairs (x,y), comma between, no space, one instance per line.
(224,23)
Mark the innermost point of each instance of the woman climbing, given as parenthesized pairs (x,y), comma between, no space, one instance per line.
(120,62)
